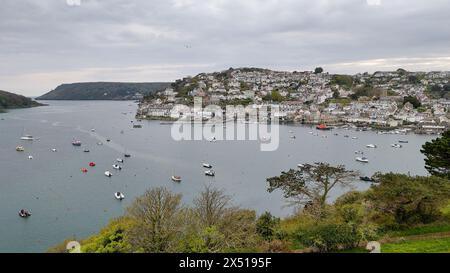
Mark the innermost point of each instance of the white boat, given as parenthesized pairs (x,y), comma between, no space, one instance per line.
(20,149)
(99,143)
(206,165)
(119,196)
(30,157)
(210,173)
(176,178)
(117,167)
(371,146)
(108,174)
(354,138)
(397,146)
(54,150)
(92,130)
(27,137)
(362,159)
(300,165)
(120,160)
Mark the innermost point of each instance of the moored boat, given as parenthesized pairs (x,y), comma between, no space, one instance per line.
(76,143)
(20,149)
(176,178)
(323,127)
(120,160)
(119,196)
(371,146)
(366,179)
(117,167)
(24,213)
(210,173)
(397,146)
(27,137)
(108,174)
(206,165)
(362,159)
(92,164)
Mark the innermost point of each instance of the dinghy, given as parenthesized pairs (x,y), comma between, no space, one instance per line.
(119,196)
(371,146)
(120,160)
(20,149)
(206,165)
(117,167)
(362,159)
(176,178)
(108,174)
(92,164)
(24,213)
(210,173)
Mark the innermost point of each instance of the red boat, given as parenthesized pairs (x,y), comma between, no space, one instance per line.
(92,164)
(76,143)
(84,170)
(323,127)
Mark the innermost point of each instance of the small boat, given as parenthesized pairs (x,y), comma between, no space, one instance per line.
(27,137)
(86,150)
(117,167)
(210,173)
(30,157)
(108,140)
(293,137)
(359,152)
(119,196)
(213,139)
(99,143)
(137,126)
(362,159)
(54,150)
(120,160)
(403,141)
(206,165)
(20,149)
(76,143)
(397,146)
(354,137)
(92,130)
(371,146)
(84,170)
(176,178)
(92,164)
(366,179)
(291,132)
(346,136)
(108,174)
(127,155)
(323,127)
(24,213)
(300,165)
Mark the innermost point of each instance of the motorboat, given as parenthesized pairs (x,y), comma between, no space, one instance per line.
(127,155)
(371,146)
(92,164)
(108,174)
(54,150)
(206,165)
(86,150)
(30,157)
(354,138)
(359,152)
(176,178)
(119,196)
(120,160)
(362,159)
(397,146)
(76,143)
(20,149)
(27,137)
(300,165)
(24,213)
(210,173)
(403,141)
(108,140)
(117,167)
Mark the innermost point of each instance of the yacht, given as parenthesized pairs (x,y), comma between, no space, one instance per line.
(362,159)
(27,137)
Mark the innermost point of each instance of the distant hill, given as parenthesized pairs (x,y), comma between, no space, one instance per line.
(103,91)
(10,100)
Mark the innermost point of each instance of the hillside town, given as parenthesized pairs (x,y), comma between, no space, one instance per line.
(417,101)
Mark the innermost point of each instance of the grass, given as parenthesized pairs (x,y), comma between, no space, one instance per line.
(421,230)
(420,246)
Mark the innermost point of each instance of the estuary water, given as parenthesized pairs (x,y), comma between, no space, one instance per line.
(68,203)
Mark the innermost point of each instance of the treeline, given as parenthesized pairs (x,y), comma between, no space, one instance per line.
(10,100)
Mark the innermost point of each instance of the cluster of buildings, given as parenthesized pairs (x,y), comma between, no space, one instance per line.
(310,97)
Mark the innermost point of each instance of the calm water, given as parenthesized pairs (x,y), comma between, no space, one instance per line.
(66,203)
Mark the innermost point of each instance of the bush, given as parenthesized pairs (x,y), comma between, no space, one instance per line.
(266,224)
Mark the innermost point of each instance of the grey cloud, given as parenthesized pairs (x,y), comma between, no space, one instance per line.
(47,42)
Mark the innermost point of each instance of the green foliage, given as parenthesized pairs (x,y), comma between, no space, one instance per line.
(438,245)
(343,81)
(318,70)
(401,200)
(110,239)
(266,225)
(437,153)
(413,100)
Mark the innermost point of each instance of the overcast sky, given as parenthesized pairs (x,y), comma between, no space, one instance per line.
(44,43)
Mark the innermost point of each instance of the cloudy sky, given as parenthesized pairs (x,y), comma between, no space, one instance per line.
(44,43)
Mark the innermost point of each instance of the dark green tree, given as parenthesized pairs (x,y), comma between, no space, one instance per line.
(437,153)
(266,224)
(413,100)
(318,70)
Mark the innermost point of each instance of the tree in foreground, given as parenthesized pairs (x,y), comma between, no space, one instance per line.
(437,153)
(312,184)
(157,220)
